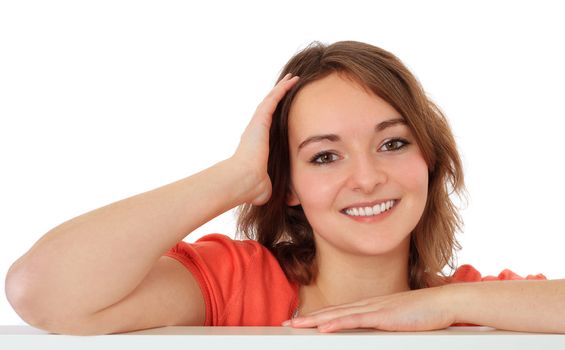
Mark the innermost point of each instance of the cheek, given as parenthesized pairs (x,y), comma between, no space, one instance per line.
(412,174)
(315,189)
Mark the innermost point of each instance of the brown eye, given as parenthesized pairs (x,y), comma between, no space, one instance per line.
(394,145)
(323,158)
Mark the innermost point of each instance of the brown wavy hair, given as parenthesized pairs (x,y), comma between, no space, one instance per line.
(285,230)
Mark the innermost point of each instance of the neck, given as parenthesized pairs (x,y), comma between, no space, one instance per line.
(344,279)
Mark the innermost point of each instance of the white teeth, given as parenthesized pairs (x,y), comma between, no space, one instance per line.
(368,211)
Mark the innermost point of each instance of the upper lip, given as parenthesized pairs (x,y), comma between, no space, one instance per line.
(370,204)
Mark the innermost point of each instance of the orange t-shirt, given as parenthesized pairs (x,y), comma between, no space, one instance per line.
(243,284)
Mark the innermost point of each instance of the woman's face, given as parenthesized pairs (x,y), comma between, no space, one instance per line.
(364,161)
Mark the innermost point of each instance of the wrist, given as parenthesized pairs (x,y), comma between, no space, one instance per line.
(246,179)
(457,299)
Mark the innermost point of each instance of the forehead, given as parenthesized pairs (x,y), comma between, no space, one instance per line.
(333,103)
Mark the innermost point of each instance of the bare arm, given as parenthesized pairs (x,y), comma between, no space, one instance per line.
(524,306)
(94,260)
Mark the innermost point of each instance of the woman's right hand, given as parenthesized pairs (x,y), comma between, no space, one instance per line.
(253,149)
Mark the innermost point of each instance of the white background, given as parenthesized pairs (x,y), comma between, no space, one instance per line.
(102,100)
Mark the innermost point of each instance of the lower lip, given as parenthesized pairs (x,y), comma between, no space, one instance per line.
(374,218)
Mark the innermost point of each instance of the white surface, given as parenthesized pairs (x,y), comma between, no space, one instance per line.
(283,338)
(105,99)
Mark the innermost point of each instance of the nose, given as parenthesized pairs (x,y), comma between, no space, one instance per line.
(366,173)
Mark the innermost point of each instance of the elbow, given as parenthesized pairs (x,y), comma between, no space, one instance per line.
(27,304)
(16,288)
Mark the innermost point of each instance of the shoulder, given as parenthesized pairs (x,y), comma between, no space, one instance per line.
(221,253)
(468,273)
(216,242)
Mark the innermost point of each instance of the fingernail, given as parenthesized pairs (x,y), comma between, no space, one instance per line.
(286,323)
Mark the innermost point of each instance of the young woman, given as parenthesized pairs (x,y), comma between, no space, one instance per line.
(343,180)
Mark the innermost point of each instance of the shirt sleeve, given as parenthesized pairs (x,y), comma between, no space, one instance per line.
(218,264)
(467,273)
(241,282)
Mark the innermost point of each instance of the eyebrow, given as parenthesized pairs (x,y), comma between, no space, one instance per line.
(335,138)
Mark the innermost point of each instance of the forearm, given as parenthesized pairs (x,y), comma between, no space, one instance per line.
(98,258)
(527,306)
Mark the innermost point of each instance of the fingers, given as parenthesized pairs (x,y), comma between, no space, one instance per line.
(270,102)
(350,322)
(337,307)
(312,320)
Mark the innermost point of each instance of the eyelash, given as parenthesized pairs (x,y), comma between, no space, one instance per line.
(391,141)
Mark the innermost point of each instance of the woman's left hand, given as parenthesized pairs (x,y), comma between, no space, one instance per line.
(415,310)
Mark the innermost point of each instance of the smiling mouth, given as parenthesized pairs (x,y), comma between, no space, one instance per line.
(371,211)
